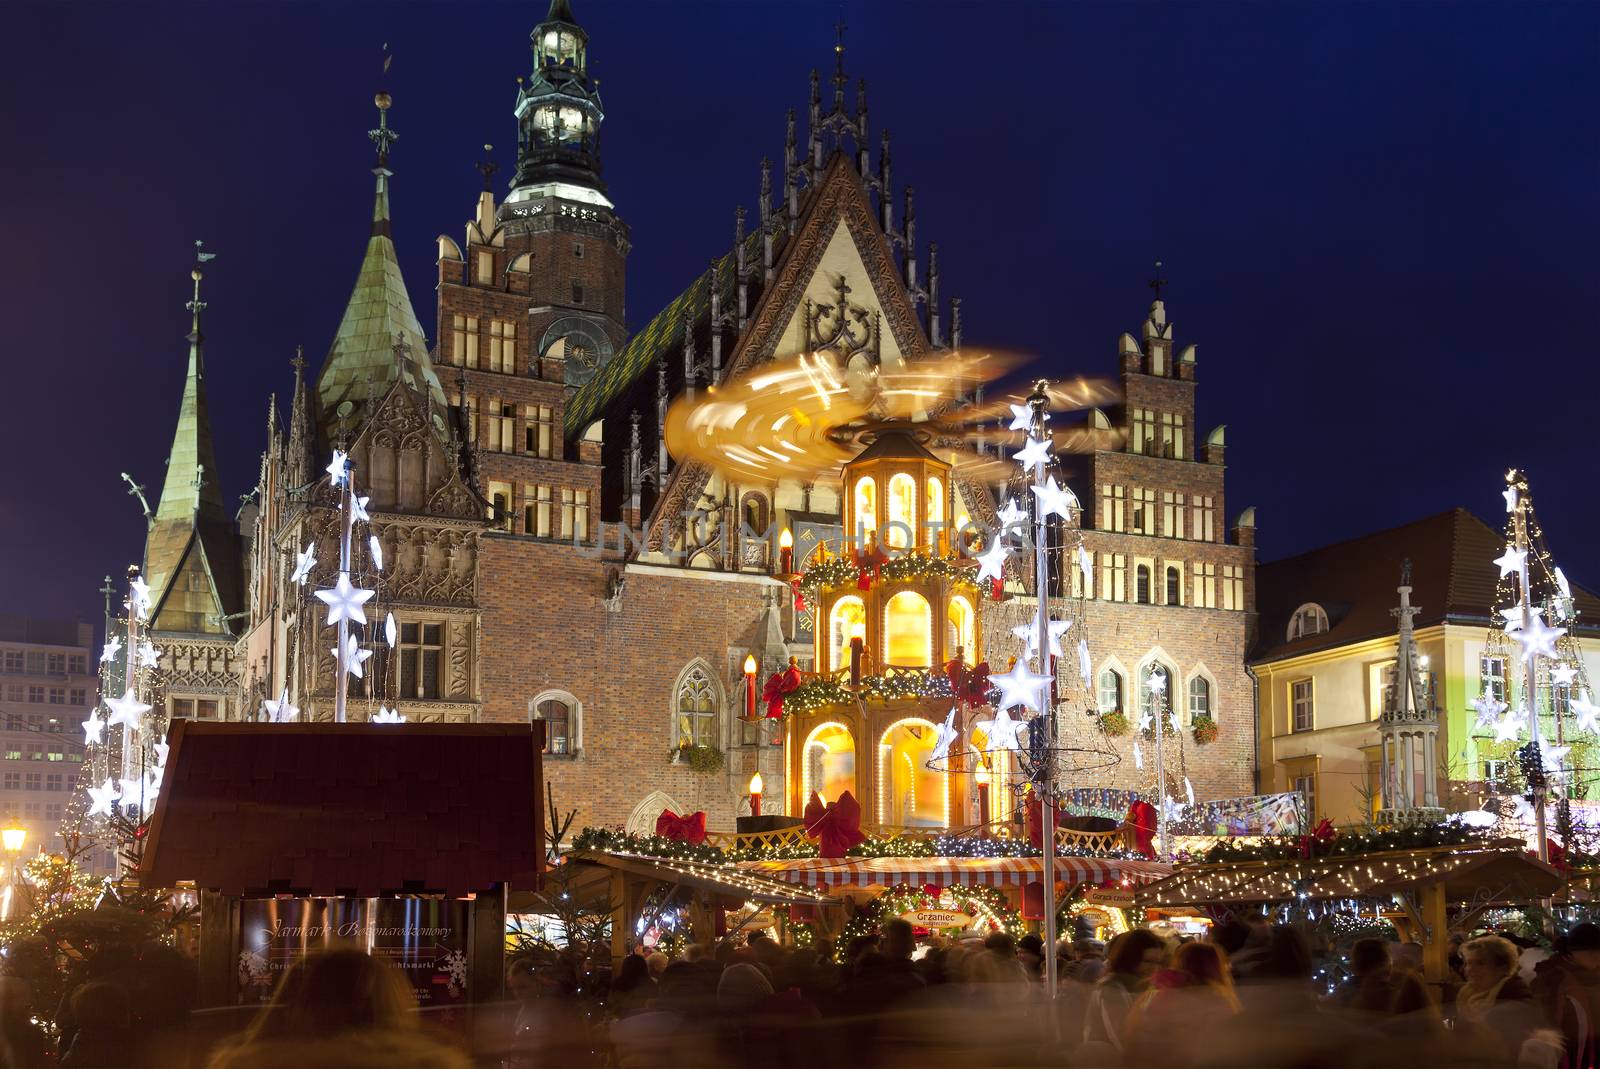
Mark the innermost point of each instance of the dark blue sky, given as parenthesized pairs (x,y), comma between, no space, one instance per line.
(1379,220)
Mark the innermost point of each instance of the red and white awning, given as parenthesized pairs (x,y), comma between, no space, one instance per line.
(953,871)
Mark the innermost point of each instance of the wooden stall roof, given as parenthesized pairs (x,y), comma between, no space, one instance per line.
(359,810)
(952,871)
(1469,873)
(698,876)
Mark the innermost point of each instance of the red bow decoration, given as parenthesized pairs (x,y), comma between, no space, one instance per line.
(1319,839)
(869,560)
(688,829)
(778,685)
(970,685)
(997,588)
(836,826)
(1142,822)
(799,598)
(1558,856)
(1035,818)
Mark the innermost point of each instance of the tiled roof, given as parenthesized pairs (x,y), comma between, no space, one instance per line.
(662,335)
(1452,575)
(348,809)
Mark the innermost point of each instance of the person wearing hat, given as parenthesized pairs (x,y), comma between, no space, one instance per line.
(1568,987)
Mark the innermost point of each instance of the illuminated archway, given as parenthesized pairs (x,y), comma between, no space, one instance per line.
(910,794)
(961,630)
(847,613)
(935,500)
(866,506)
(992,775)
(902,499)
(908,630)
(828,762)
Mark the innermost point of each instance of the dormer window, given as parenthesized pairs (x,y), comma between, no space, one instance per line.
(1309,619)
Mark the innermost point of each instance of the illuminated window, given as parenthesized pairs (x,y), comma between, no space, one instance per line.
(575,514)
(960,634)
(1111,502)
(1308,619)
(464,341)
(1174,585)
(500,506)
(1110,690)
(502,346)
(908,630)
(539,429)
(1172,508)
(697,708)
(1144,511)
(829,766)
(1233,587)
(935,503)
(1492,672)
(1171,435)
(560,713)
(421,651)
(902,510)
(1199,698)
(910,794)
(1203,587)
(1142,431)
(846,614)
(536,510)
(866,505)
(1300,704)
(1205,518)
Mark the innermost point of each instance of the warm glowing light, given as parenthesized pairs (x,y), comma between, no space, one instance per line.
(750,664)
(866,502)
(858,629)
(908,630)
(755,783)
(13,839)
(786,540)
(846,620)
(902,510)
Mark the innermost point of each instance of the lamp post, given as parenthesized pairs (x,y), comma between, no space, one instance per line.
(13,839)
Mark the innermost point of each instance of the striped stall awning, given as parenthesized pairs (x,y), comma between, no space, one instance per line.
(953,871)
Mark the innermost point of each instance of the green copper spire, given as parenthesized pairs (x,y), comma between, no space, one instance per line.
(379,337)
(191,484)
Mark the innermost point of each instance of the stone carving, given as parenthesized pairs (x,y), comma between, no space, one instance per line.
(460,649)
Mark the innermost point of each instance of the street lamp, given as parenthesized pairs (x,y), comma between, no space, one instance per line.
(12,839)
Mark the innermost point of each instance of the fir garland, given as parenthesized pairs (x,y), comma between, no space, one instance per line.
(612,840)
(838,572)
(903,899)
(1415,837)
(903,684)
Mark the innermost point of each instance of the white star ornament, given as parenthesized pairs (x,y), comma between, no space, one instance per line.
(1019,687)
(1054,500)
(127,709)
(947,736)
(1035,456)
(1511,560)
(102,798)
(304,562)
(344,601)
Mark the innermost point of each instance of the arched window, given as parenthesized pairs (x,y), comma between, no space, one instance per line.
(846,614)
(960,635)
(1308,619)
(563,721)
(829,765)
(908,630)
(866,506)
(902,511)
(753,514)
(935,504)
(1141,584)
(1110,689)
(910,794)
(1174,585)
(696,707)
(1199,698)
(1154,699)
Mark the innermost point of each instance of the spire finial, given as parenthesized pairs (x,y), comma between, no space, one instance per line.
(1157,282)
(487,167)
(196,305)
(299,361)
(383,137)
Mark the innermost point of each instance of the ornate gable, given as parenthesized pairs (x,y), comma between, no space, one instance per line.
(404,465)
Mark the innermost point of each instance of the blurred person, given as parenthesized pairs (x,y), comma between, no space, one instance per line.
(24,1042)
(1088,961)
(1131,960)
(339,1010)
(1030,952)
(550,1024)
(103,1015)
(696,953)
(1495,1005)
(1567,987)
(1194,994)
(633,988)
(1370,988)
(666,1035)
(658,963)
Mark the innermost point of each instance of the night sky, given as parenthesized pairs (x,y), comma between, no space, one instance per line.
(1379,220)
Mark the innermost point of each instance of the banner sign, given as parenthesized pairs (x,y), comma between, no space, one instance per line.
(937,918)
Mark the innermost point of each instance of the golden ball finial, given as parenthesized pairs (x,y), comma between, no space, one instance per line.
(383,99)
(195,274)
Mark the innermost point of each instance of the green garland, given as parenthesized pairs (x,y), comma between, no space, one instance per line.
(614,841)
(1415,837)
(905,898)
(839,572)
(904,684)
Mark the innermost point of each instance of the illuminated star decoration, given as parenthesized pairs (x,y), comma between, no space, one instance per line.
(280,711)
(126,709)
(1513,616)
(1551,756)
(1510,494)
(1054,500)
(1002,731)
(1085,666)
(1509,727)
(1561,675)
(131,790)
(1562,584)
(1138,755)
(1010,514)
(1021,417)
(389,629)
(1511,560)
(1086,566)
(1489,711)
(1174,809)
(344,601)
(1538,639)
(111,650)
(992,561)
(339,467)
(1188,789)
(1157,682)
(1020,686)
(385,715)
(1029,633)
(152,787)
(161,749)
(1035,455)
(147,655)
(102,798)
(358,508)
(1522,809)
(377,552)
(140,597)
(1587,711)
(304,562)
(1145,720)
(947,735)
(354,656)
(93,730)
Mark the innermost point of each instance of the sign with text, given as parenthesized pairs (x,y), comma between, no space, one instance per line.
(937,918)
(1115,897)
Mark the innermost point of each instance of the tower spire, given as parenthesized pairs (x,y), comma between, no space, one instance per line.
(559,114)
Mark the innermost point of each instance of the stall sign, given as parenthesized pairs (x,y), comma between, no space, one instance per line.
(937,918)
(1115,897)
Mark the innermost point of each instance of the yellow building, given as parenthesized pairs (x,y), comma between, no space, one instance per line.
(1326,656)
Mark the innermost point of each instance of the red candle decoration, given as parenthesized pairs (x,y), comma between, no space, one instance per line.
(786,552)
(755,795)
(858,648)
(750,686)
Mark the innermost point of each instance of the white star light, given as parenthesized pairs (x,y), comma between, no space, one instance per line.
(1551,756)
(389,629)
(385,715)
(1510,495)
(1511,560)
(1035,456)
(1054,500)
(1562,674)
(1002,731)
(1157,682)
(1509,727)
(1021,417)
(1562,584)
(947,735)
(358,508)
(1020,686)
(152,787)
(1085,666)
(1086,566)
(1138,755)
(140,597)
(93,730)
(280,711)
(339,467)
(102,798)
(1174,809)
(1145,720)
(1029,633)
(1489,711)
(1188,789)
(131,789)
(1587,711)
(127,709)
(992,561)
(112,648)
(147,655)
(1522,809)
(354,655)
(344,601)
(1010,514)
(377,552)
(1537,639)
(1513,616)
(161,749)
(304,562)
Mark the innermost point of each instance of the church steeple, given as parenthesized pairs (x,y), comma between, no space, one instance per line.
(559,115)
(379,337)
(191,484)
